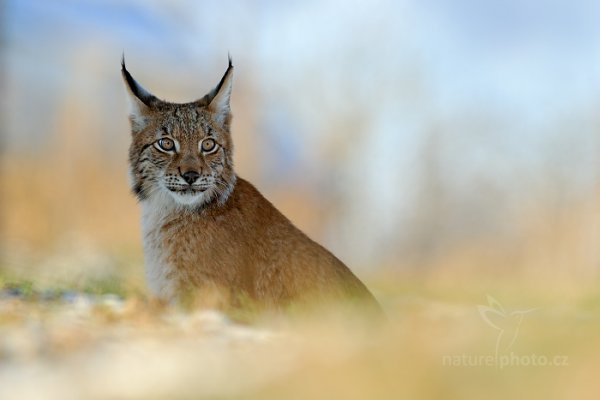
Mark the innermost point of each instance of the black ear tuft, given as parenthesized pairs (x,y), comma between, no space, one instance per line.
(135,88)
(217,89)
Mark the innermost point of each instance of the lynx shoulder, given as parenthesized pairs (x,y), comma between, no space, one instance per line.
(207,231)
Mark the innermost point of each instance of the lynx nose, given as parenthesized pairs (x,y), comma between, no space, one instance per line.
(190,176)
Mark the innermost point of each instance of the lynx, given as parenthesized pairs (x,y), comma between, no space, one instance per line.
(206,230)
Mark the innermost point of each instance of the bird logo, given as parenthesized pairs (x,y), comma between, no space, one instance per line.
(507,323)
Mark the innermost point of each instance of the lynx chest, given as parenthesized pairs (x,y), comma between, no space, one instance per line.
(192,250)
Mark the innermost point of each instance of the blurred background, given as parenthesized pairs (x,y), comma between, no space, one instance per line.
(432,138)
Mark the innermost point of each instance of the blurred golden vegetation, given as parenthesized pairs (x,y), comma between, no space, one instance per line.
(434,345)
(69,201)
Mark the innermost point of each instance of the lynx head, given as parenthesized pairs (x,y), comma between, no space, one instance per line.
(181,152)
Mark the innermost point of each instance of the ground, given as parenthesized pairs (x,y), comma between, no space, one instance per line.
(439,341)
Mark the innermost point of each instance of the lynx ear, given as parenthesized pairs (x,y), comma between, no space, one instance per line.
(140,100)
(219,97)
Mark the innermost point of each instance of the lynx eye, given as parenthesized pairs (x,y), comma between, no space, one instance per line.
(166,144)
(208,145)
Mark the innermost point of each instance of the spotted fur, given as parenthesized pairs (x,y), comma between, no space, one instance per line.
(209,231)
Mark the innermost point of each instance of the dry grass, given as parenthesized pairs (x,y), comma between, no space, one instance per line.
(106,347)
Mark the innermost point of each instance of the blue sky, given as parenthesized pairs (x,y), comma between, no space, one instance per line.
(533,54)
